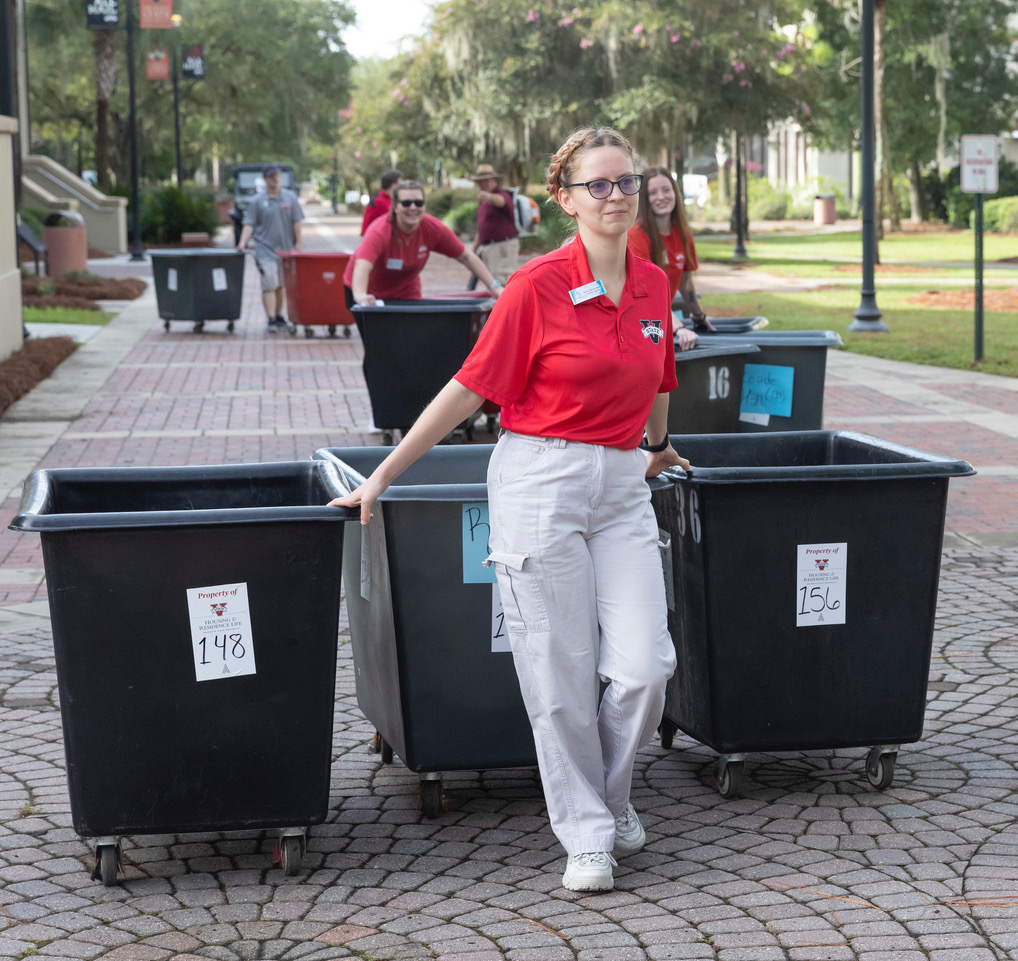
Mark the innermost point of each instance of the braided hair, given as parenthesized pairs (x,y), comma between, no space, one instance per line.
(563,163)
(645,218)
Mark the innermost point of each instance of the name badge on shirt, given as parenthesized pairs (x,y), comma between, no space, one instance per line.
(394,263)
(579,295)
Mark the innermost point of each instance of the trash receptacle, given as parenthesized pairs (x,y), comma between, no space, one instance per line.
(706,400)
(314,290)
(802,595)
(411,349)
(66,240)
(824,211)
(433,669)
(198,285)
(195,616)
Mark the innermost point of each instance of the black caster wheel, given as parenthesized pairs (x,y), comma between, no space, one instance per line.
(387,438)
(332,330)
(199,326)
(729,778)
(107,865)
(290,855)
(166,325)
(490,423)
(384,750)
(309,333)
(880,767)
(431,797)
(346,331)
(230,326)
(667,731)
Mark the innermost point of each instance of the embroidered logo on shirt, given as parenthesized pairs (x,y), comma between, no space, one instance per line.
(652,329)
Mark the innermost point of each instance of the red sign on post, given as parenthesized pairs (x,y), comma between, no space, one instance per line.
(157,65)
(155,14)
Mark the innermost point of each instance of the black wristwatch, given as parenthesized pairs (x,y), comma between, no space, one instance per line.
(654,448)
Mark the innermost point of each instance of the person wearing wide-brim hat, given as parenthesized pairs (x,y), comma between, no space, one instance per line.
(496,242)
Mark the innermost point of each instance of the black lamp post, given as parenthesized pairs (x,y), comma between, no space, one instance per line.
(137,252)
(740,213)
(867,315)
(176,18)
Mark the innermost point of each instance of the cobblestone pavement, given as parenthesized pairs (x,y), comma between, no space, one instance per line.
(810,863)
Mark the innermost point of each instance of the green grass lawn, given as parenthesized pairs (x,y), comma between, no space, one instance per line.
(947,245)
(919,334)
(65,315)
(838,272)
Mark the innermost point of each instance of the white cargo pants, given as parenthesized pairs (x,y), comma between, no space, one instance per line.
(574,544)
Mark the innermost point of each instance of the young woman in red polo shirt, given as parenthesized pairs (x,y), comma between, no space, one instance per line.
(388,263)
(578,352)
(662,236)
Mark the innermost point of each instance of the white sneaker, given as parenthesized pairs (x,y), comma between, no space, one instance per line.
(629,834)
(589,872)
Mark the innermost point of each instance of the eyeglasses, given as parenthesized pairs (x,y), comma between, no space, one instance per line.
(602,189)
(411,203)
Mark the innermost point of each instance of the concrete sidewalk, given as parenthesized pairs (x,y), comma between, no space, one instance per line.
(810,863)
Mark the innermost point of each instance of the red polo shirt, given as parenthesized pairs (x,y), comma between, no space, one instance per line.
(680,260)
(588,372)
(379,208)
(399,258)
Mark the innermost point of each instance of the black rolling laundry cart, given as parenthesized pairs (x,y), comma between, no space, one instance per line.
(198,285)
(411,350)
(802,589)
(195,616)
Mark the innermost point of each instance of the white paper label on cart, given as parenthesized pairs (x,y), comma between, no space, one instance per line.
(822,572)
(221,631)
(499,634)
(751,417)
(171,278)
(219,278)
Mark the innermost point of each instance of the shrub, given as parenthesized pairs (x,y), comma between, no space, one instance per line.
(443,199)
(462,219)
(169,212)
(766,203)
(960,205)
(1000,215)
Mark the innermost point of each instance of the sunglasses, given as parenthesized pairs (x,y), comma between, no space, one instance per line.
(602,189)
(414,203)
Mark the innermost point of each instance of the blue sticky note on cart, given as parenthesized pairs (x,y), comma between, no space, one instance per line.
(767,389)
(475,545)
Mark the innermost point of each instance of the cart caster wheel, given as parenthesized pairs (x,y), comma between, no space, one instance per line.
(346,331)
(290,854)
(729,778)
(387,438)
(199,326)
(308,332)
(108,857)
(431,797)
(166,325)
(332,330)
(230,326)
(880,767)
(490,423)
(667,731)
(384,750)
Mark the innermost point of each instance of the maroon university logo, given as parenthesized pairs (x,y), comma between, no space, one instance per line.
(822,562)
(652,329)
(219,608)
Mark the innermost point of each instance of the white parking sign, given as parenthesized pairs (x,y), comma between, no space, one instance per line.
(979,164)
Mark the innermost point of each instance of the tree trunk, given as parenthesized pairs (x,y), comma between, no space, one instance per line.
(879,124)
(105,83)
(917,201)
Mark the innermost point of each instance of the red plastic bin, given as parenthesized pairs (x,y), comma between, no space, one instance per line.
(314,290)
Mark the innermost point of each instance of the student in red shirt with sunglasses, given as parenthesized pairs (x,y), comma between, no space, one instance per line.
(388,263)
(578,352)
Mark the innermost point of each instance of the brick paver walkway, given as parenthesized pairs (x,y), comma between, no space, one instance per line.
(811,863)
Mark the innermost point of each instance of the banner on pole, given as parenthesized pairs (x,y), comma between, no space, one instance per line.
(192,62)
(157,65)
(155,14)
(102,14)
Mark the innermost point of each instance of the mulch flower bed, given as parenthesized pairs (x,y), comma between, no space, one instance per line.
(20,372)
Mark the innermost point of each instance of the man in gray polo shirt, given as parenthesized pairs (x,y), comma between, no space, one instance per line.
(273,219)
